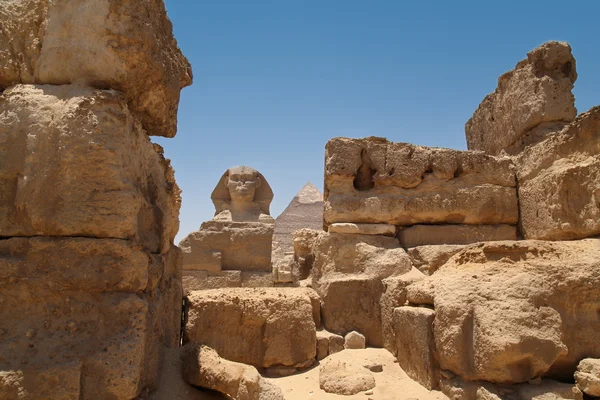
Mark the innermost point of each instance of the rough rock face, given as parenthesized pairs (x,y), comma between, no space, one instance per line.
(559,182)
(262,327)
(375,181)
(74,161)
(122,45)
(347,273)
(240,246)
(415,344)
(429,259)
(305,211)
(203,367)
(512,311)
(426,235)
(304,244)
(339,378)
(587,376)
(394,295)
(531,101)
(96,310)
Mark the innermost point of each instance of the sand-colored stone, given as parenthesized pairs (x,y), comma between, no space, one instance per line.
(559,183)
(338,377)
(50,382)
(415,344)
(394,295)
(363,229)
(424,235)
(106,332)
(335,343)
(263,327)
(109,44)
(429,259)
(512,311)
(375,181)
(354,340)
(536,94)
(202,366)
(74,161)
(347,273)
(243,246)
(587,376)
(304,244)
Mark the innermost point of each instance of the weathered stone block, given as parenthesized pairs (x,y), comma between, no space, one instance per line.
(422,235)
(261,327)
(508,312)
(532,100)
(363,229)
(375,181)
(106,332)
(244,246)
(587,376)
(415,344)
(49,382)
(122,45)
(75,162)
(352,304)
(429,259)
(394,295)
(559,182)
(92,265)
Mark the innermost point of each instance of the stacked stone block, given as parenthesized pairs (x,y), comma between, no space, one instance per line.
(90,279)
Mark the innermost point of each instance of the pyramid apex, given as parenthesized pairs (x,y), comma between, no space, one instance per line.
(309,194)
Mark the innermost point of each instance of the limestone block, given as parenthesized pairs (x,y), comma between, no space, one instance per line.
(244,246)
(201,280)
(304,242)
(587,376)
(415,344)
(559,182)
(341,255)
(110,44)
(338,377)
(429,259)
(512,311)
(49,382)
(203,367)
(375,181)
(537,93)
(394,295)
(75,162)
(363,229)
(423,235)
(353,304)
(354,340)
(106,332)
(90,265)
(261,327)
(257,279)
(322,346)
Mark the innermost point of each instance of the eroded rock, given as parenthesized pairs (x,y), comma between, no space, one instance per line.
(530,101)
(263,327)
(337,377)
(587,376)
(110,44)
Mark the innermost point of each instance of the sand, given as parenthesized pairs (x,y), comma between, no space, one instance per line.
(391,384)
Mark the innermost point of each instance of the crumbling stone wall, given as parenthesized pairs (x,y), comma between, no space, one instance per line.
(90,281)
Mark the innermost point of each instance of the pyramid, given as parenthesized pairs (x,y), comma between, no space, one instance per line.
(304,211)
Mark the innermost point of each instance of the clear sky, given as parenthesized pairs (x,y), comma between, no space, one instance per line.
(274,80)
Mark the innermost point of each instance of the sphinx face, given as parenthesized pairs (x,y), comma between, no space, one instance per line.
(242,183)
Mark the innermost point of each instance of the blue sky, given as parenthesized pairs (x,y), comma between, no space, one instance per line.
(274,80)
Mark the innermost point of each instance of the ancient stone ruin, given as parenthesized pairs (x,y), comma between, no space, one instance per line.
(432,274)
(90,278)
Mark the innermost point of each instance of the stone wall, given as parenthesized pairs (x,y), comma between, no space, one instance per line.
(91,281)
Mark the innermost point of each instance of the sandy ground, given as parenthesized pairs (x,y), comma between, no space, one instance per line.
(391,384)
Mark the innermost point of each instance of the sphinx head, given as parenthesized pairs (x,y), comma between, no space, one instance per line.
(242,185)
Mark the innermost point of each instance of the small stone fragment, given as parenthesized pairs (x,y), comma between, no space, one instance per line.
(354,340)
(587,376)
